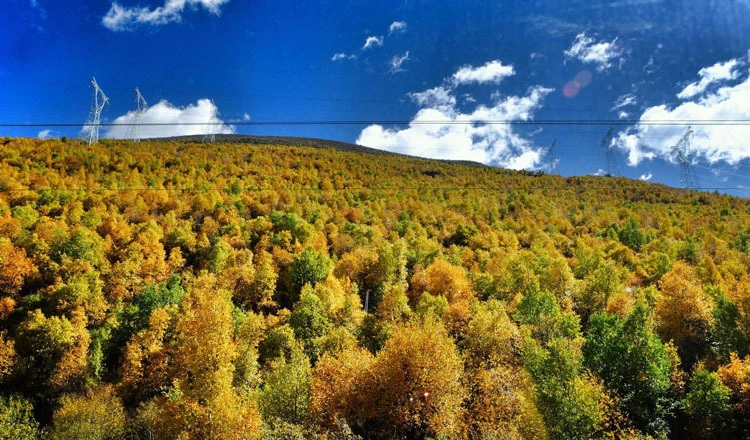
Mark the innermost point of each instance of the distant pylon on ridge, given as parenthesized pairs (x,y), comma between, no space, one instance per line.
(135,126)
(609,153)
(90,134)
(681,153)
(210,135)
(552,157)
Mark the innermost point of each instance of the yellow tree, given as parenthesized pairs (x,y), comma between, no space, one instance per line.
(146,358)
(442,278)
(7,356)
(414,386)
(98,415)
(15,268)
(684,312)
(338,388)
(202,403)
(500,393)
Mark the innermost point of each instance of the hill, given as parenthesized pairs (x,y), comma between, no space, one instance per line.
(256,289)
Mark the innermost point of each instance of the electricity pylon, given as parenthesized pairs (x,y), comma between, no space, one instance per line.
(609,154)
(552,157)
(681,153)
(135,126)
(210,135)
(90,134)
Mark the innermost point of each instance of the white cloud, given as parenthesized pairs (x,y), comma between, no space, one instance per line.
(624,101)
(397,27)
(589,51)
(246,117)
(198,118)
(440,131)
(342,56)
(646,177)
(623,114)
(491,72)
(372,42)
(710,75)
(44,134)
(124,18)
(398,61)
(437,97)
(714,143)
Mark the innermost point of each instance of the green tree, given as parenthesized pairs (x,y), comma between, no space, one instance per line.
(568,401)
(17,419)
(631,235)
(706,406)
(286,390)
(309,321)
(309,267)
(726,335)
(632,361)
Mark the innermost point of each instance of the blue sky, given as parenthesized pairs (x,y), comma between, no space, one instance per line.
(445,66)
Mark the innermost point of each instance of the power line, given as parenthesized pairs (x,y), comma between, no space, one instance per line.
(552,122)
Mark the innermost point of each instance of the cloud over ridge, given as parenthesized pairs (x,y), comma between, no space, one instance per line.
(199,118)
(440,130)
(713,142)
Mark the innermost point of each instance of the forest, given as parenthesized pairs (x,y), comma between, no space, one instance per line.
(180,290)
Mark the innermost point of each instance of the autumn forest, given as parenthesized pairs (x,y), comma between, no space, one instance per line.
(175,289)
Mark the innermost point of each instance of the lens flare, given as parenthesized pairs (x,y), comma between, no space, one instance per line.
(571,89)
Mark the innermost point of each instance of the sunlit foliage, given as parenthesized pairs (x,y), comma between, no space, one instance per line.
(170,289)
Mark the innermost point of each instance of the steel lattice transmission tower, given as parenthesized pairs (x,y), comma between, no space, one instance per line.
(681,153)
(609,153)
(210,135)
(140,106)
(90,133)
(552,157)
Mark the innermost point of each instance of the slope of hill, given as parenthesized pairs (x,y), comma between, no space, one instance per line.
(252,289)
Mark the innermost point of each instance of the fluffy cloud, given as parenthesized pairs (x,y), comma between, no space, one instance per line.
(589,51)
(710,75)
(124,18)
(440,131)
(437,97)
(372,41)
(194,119)
(491,72)
(398,61)
(397,27)
(646,177)
(44,134)
(713,142)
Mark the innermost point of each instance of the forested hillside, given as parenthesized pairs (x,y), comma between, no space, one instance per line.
(161,290)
